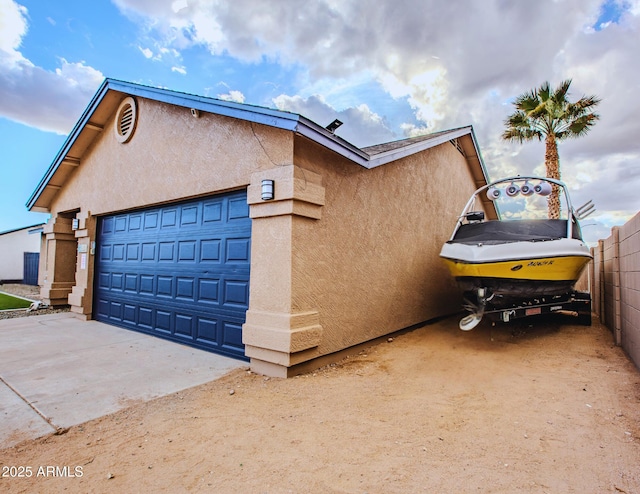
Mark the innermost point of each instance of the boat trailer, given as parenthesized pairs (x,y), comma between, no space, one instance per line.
(575,303)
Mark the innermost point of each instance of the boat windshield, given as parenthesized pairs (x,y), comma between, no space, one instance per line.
(521,198)
(527,207)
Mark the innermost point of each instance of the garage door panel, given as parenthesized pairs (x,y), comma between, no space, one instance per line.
(236,294)
(129,314)
(135,222)
(146,284)
(238,208)
(145,318)
(151,220)
(169,217)
(189,215)
(210,250)
(179,271)
(120,224)
(209,290)
(115,310)
(163,321)
(212,212)
(237,250)
(184,325)
(232,334)
(185,289)
(130,283)
(118,252)
(207,329)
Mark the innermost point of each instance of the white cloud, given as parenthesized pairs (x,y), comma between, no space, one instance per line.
(235,96)
(146,52)
(362,127)
(51,101)
(179,5)
(179,69)
(47,100)
(13,26)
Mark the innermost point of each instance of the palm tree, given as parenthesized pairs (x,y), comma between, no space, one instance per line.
(546,113)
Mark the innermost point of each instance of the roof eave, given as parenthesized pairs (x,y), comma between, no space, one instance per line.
(257,114)
(327,139)
(399,153)
(265,116)
(75,132)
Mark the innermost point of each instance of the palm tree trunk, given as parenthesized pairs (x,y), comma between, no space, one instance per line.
(552,163)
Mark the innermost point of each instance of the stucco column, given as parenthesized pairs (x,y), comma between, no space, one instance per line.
(81,297)
(276,334)
(60,261)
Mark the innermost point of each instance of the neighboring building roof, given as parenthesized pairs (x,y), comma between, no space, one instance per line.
(111,92)
(38,226)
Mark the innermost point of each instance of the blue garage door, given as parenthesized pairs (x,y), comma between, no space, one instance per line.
(30,268)
(180,272)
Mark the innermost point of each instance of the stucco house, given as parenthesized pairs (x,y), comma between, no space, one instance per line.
(249,231)
(19,255)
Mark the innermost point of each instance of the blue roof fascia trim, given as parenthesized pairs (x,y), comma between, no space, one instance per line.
(257,114)
(266,116)
(84,118)
(261,115)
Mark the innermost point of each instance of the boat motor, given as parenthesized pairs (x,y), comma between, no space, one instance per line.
(543,188)
(526,189)
(493,193)
(513,190)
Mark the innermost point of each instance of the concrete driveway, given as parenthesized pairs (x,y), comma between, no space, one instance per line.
(57,371)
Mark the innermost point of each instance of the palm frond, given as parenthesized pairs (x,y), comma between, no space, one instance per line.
(581,125)
(560,94)
(544,91)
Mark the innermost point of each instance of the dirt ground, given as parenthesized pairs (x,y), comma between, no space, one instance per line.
(533,407)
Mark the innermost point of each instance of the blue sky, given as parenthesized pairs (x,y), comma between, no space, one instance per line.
(388,69)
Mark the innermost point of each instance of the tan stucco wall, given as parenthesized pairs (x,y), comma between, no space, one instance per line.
(370,265)
(171,156)
(362,265)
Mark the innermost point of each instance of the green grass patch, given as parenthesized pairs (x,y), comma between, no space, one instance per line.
(8,302)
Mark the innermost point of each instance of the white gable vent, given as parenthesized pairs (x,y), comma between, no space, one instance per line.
(125,123)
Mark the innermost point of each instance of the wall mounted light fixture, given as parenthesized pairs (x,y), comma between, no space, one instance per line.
(267,190)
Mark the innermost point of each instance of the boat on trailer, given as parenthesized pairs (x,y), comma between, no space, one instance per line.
(511,268)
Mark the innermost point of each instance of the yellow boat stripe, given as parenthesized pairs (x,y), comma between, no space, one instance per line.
(546,268)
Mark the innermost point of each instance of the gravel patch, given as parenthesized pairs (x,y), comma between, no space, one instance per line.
(31,293)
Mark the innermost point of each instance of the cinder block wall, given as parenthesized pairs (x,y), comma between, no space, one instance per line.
(616,298)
